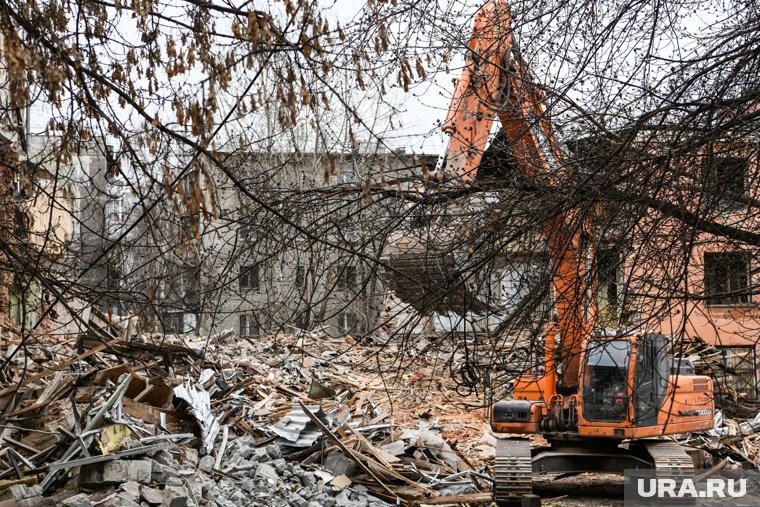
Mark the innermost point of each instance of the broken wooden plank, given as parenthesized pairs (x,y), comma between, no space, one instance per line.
(469,498)
(330,435)
(44,373)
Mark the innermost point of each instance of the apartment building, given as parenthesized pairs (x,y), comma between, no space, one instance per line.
(298,247)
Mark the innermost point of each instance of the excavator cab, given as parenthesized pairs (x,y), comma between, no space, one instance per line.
(627,390)
(625,378)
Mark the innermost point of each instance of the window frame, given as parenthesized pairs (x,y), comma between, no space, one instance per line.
(735,379)
(711,263)
(723,172)
(252,277)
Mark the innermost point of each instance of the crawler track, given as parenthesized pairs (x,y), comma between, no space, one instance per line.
(513,470)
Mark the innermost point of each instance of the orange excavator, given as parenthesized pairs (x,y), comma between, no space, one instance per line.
(603,400)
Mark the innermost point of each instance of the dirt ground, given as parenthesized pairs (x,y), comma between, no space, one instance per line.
(596,490)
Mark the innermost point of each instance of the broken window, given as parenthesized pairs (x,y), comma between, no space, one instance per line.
(727,278)
(349,322)
(249,327)
(346,277)
(249,278)
(740,369)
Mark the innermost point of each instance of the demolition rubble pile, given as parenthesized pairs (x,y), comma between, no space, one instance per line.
(731,444)
(709,360)
(117,420)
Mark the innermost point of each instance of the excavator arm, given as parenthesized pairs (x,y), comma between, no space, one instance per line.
(496,83)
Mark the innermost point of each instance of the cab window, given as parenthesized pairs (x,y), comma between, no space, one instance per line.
(605,380)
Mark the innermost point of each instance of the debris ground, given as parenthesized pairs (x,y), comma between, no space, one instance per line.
(110,419)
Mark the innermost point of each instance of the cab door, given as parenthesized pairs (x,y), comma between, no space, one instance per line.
(650,379)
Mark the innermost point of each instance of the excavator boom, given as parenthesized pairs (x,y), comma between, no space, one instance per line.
(496,83)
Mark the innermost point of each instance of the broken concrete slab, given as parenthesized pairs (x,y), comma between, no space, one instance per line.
(130,490)
(80,500)
(115,472)
(339,464)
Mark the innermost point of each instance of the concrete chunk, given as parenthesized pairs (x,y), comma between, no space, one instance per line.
(80,500)
(21,491)
(115,472)
(206,463)
(266,472)
(175,496)
(130,490)
(339,464)
(151,495)
(37,501)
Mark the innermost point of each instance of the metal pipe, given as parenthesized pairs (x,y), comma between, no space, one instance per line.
(550,377)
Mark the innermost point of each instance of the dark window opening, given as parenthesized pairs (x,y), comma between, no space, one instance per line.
(173,322)
(346,277)
(303,276)
(726,178)
(740,370)
(249,278)
(608,275)
(303,321)
(349,322)
(727,277)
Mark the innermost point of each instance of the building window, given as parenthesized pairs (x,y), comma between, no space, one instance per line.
(727,278)
(245,233)
(303,276)
(303,321)
(348,322)
(347,175)
(24,303)
(300,276)
(173,322)
(249,278)
(249,328)
(346,277)
(726,178)
(740,369)
(608,275)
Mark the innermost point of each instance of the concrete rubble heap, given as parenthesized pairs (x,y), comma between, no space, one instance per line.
(134,420)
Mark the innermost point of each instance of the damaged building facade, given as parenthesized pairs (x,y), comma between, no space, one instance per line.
(295,251)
